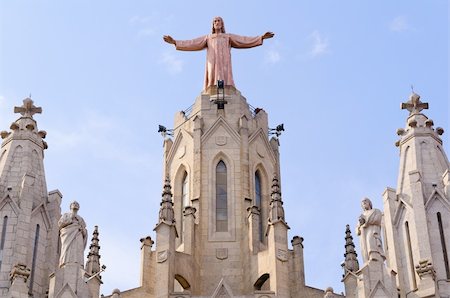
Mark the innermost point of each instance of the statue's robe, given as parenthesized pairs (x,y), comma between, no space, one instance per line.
(371,245)
(73,239)
(218,56)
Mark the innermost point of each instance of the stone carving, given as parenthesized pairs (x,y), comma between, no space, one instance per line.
(221,140)
(163,256)
(73,233)
(21,271)
(222,253)
(369,228)
(282,255)
(425,267)
(218,45)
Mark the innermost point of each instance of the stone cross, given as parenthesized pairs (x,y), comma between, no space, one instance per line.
(414,105)
(28,109)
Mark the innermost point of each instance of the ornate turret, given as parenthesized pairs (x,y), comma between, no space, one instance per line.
(417,212)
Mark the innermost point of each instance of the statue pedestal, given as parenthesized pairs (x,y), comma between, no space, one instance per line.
(374,279)
(68,282)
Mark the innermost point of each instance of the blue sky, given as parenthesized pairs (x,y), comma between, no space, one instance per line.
(335,74)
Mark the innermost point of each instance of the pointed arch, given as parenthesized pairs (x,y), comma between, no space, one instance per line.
(181,197)
(260,173)
(263,282)
(221,199)
(183,284)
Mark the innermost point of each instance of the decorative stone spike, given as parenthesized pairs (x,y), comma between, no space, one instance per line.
(166,213)
(351,257)
(93,263)
(276,203)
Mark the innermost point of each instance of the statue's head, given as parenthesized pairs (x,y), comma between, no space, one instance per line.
(366,204)
(74,206)
(217,25)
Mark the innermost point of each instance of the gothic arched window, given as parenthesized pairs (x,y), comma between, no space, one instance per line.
(258,200)
(184,200)
(221,198)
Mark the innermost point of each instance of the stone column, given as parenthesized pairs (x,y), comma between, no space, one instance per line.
(147,266)
(299,265)
(189,229)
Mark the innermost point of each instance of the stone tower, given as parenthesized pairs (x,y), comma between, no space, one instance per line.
(228,218)
(28,213)
(221,231)
(417,213)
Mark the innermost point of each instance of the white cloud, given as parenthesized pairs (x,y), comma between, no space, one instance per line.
(320,44)
(272,56)
(174,65)
(399,24)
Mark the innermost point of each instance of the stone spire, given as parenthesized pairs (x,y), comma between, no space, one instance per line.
(276,203)
(414,211)
(93,263)
(166,213)
(351,257)
(26,207)
(420,148)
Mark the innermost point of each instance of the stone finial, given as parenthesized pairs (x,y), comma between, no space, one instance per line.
(276,203)
(93,263)
(166,213)
(414,105)
(351,257)
(297,240)
(28,109)
(147,241)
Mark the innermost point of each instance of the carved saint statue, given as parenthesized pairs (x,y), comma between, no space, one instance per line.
(369,229)
(218,45)
(73,234)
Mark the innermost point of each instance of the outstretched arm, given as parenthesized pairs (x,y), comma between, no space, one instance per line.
(169,39)
(242,42)
(268,35)
(195,44)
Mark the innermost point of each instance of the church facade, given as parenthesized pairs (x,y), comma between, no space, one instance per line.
(222,231)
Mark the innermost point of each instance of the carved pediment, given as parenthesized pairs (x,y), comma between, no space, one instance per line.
(229,133)
(41,210)
(437,195)
(7,201)
(266,149)
(222,290)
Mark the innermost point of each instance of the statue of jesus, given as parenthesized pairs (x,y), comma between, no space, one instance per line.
(218,45)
